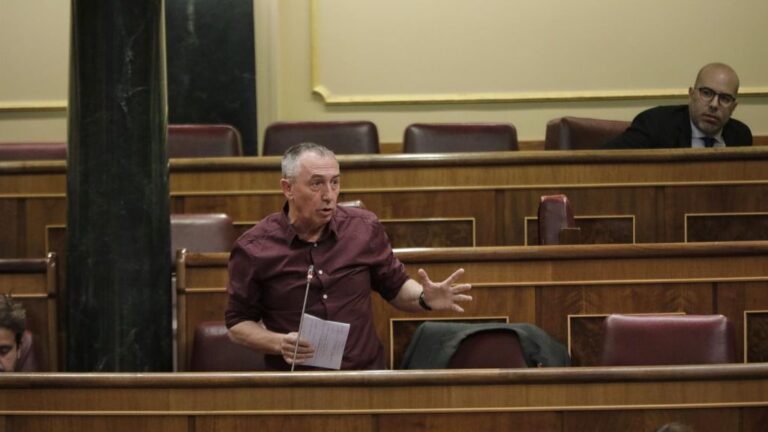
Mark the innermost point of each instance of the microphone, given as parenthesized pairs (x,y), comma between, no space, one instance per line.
(310,274)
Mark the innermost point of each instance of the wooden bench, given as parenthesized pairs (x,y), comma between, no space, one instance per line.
(711,398)
(478,199)
(563,289)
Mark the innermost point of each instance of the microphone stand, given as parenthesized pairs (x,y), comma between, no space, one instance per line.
(310,273)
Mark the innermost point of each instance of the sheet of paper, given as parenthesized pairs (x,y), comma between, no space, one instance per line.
(329,339)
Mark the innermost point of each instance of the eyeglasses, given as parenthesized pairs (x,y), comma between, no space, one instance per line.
(724,99)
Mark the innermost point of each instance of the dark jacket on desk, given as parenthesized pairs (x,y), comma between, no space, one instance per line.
(434,343)
(670,127)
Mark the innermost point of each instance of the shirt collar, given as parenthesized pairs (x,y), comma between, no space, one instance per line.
(330,231)
(697,135)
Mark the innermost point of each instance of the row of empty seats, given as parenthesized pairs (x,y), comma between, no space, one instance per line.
(565,133)
(184,141)
(629,340)
(354,137)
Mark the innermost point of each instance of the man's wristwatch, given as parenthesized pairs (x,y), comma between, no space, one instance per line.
(422,303)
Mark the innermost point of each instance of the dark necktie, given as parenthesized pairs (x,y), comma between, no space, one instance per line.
(709,141)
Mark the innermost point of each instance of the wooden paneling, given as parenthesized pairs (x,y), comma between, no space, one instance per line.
(544,285)
(103,422)
(592,230)
(361,423)
(726,227)
(498,191)
(722,419)
(722,397)
(756,336)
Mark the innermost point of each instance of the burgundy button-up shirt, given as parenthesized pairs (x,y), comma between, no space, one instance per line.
(268,275)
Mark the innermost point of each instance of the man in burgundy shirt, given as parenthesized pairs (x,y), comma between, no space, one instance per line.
(350,254)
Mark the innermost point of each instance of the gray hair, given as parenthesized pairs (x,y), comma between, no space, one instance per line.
(290,162)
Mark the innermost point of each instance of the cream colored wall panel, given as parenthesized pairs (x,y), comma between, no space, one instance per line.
(34,62)
(34,52)
(411,51)
(293,81)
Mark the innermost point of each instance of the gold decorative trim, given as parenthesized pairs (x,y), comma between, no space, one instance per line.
(490,187)
(373,411)
(527,284)
(682,280)
(33,106)
(502,97)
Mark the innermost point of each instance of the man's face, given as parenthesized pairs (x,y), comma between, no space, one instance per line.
(314,191)
(9,350)
(708,99)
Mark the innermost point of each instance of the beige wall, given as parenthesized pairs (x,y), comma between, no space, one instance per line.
(34,50)
(294,81)
(33,90)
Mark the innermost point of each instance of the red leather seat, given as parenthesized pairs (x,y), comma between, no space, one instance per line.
(201,232)
(579,133)
(28,354)
(341,137)
(33,151)
(459,137)
(212,350)
(667,340)
(555,215)
(203,140)
(489,349)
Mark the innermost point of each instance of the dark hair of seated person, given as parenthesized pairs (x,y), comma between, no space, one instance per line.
(12,324)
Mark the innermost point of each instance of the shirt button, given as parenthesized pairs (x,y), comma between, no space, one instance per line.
(314,244)
(325,296)
(320,272)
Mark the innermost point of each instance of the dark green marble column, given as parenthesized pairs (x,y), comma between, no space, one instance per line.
(118,269)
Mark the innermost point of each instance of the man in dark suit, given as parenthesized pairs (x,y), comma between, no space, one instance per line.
(705,122)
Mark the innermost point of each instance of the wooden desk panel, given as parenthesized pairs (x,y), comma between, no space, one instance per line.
(729,397)
(545,284)
(656,187)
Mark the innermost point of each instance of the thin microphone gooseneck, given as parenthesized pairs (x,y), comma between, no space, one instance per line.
(310,273)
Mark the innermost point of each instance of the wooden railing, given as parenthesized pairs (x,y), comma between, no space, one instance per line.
(565,290)
(491,198)
(712,398)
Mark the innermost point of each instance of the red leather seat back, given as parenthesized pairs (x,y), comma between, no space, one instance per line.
(579,133)
(33,151)
(203,140)
(343,137)
(201,232)
(212,350)
(489,349)
(555,213)
(667,340)
(459,137)
(28,355)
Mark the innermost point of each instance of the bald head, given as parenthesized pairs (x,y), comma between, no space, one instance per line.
(721,72)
